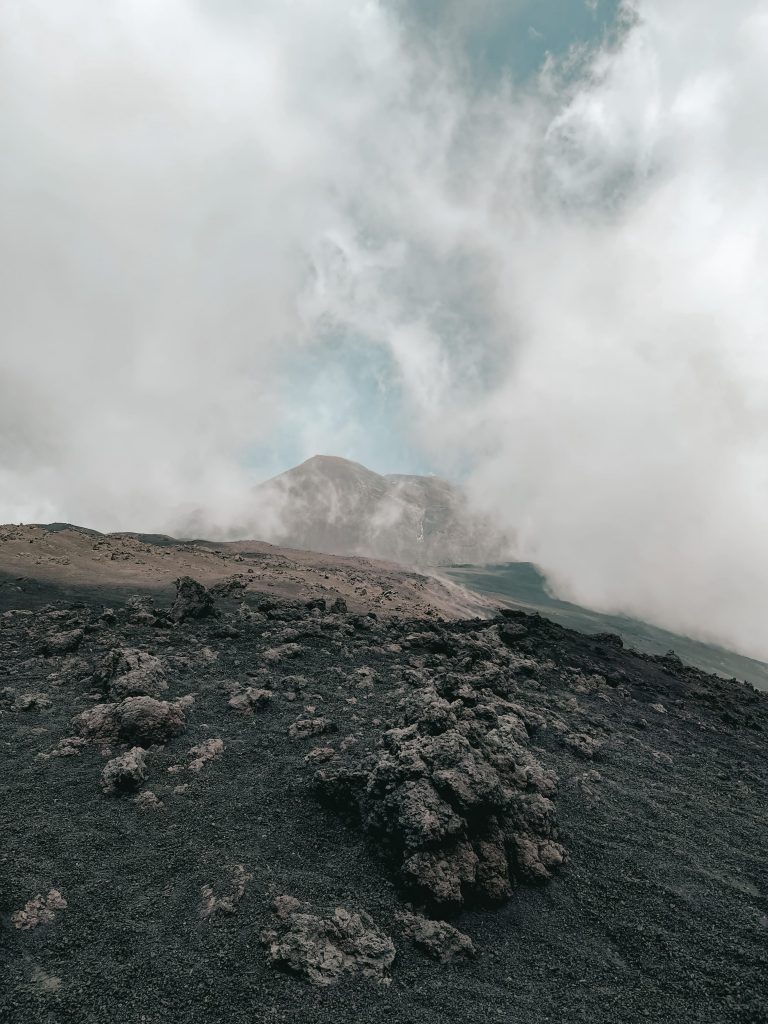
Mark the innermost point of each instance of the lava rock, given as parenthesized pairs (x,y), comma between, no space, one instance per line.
(251,699)
(324,950)
(303,727)
(63,643)
(454,795)
(139,720)
(125,773)
(193,601)
(438,939)
(39,910)
(127,672)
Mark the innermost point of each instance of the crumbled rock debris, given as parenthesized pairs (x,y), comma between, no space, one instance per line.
(204,753)
(212,904)
(324,950)
(39,910)
(44,982)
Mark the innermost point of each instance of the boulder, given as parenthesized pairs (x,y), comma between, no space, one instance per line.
(63,643)
(193,601)
(456,798)
(251,699)
(126,773)
(324,950)
(304,727)
(127,672)
(438,939)
(144,720)
(139,720)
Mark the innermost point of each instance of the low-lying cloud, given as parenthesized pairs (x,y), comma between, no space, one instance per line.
(567,277)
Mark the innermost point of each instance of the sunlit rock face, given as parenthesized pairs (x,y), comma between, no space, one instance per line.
(334,505)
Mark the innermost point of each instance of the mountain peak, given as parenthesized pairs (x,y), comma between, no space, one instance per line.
(333,504)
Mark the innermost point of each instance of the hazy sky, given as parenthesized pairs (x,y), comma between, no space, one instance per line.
(524,242)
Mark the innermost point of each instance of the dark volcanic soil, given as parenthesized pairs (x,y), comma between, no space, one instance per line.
(155,913)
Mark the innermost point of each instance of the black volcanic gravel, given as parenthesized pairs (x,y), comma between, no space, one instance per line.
(659,915)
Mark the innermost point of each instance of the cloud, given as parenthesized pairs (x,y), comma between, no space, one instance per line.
(565,279)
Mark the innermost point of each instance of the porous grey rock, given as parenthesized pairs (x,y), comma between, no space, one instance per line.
(438,939)
(125,773)
(63,643)
(127,672)
(304,727)
(193,601)
(39,910)
(205,752)
(456,796)
(250,699)
(139,720)
(324,950)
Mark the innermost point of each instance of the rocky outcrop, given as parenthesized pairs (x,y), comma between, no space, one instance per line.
(324,950)
(193,601)
(463,807)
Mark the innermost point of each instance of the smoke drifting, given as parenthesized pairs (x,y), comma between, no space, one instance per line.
(566,278)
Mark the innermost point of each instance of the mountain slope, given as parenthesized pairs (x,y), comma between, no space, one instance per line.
(291,752)
(337,506)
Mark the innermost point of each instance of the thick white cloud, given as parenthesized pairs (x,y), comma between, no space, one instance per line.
(569,279)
